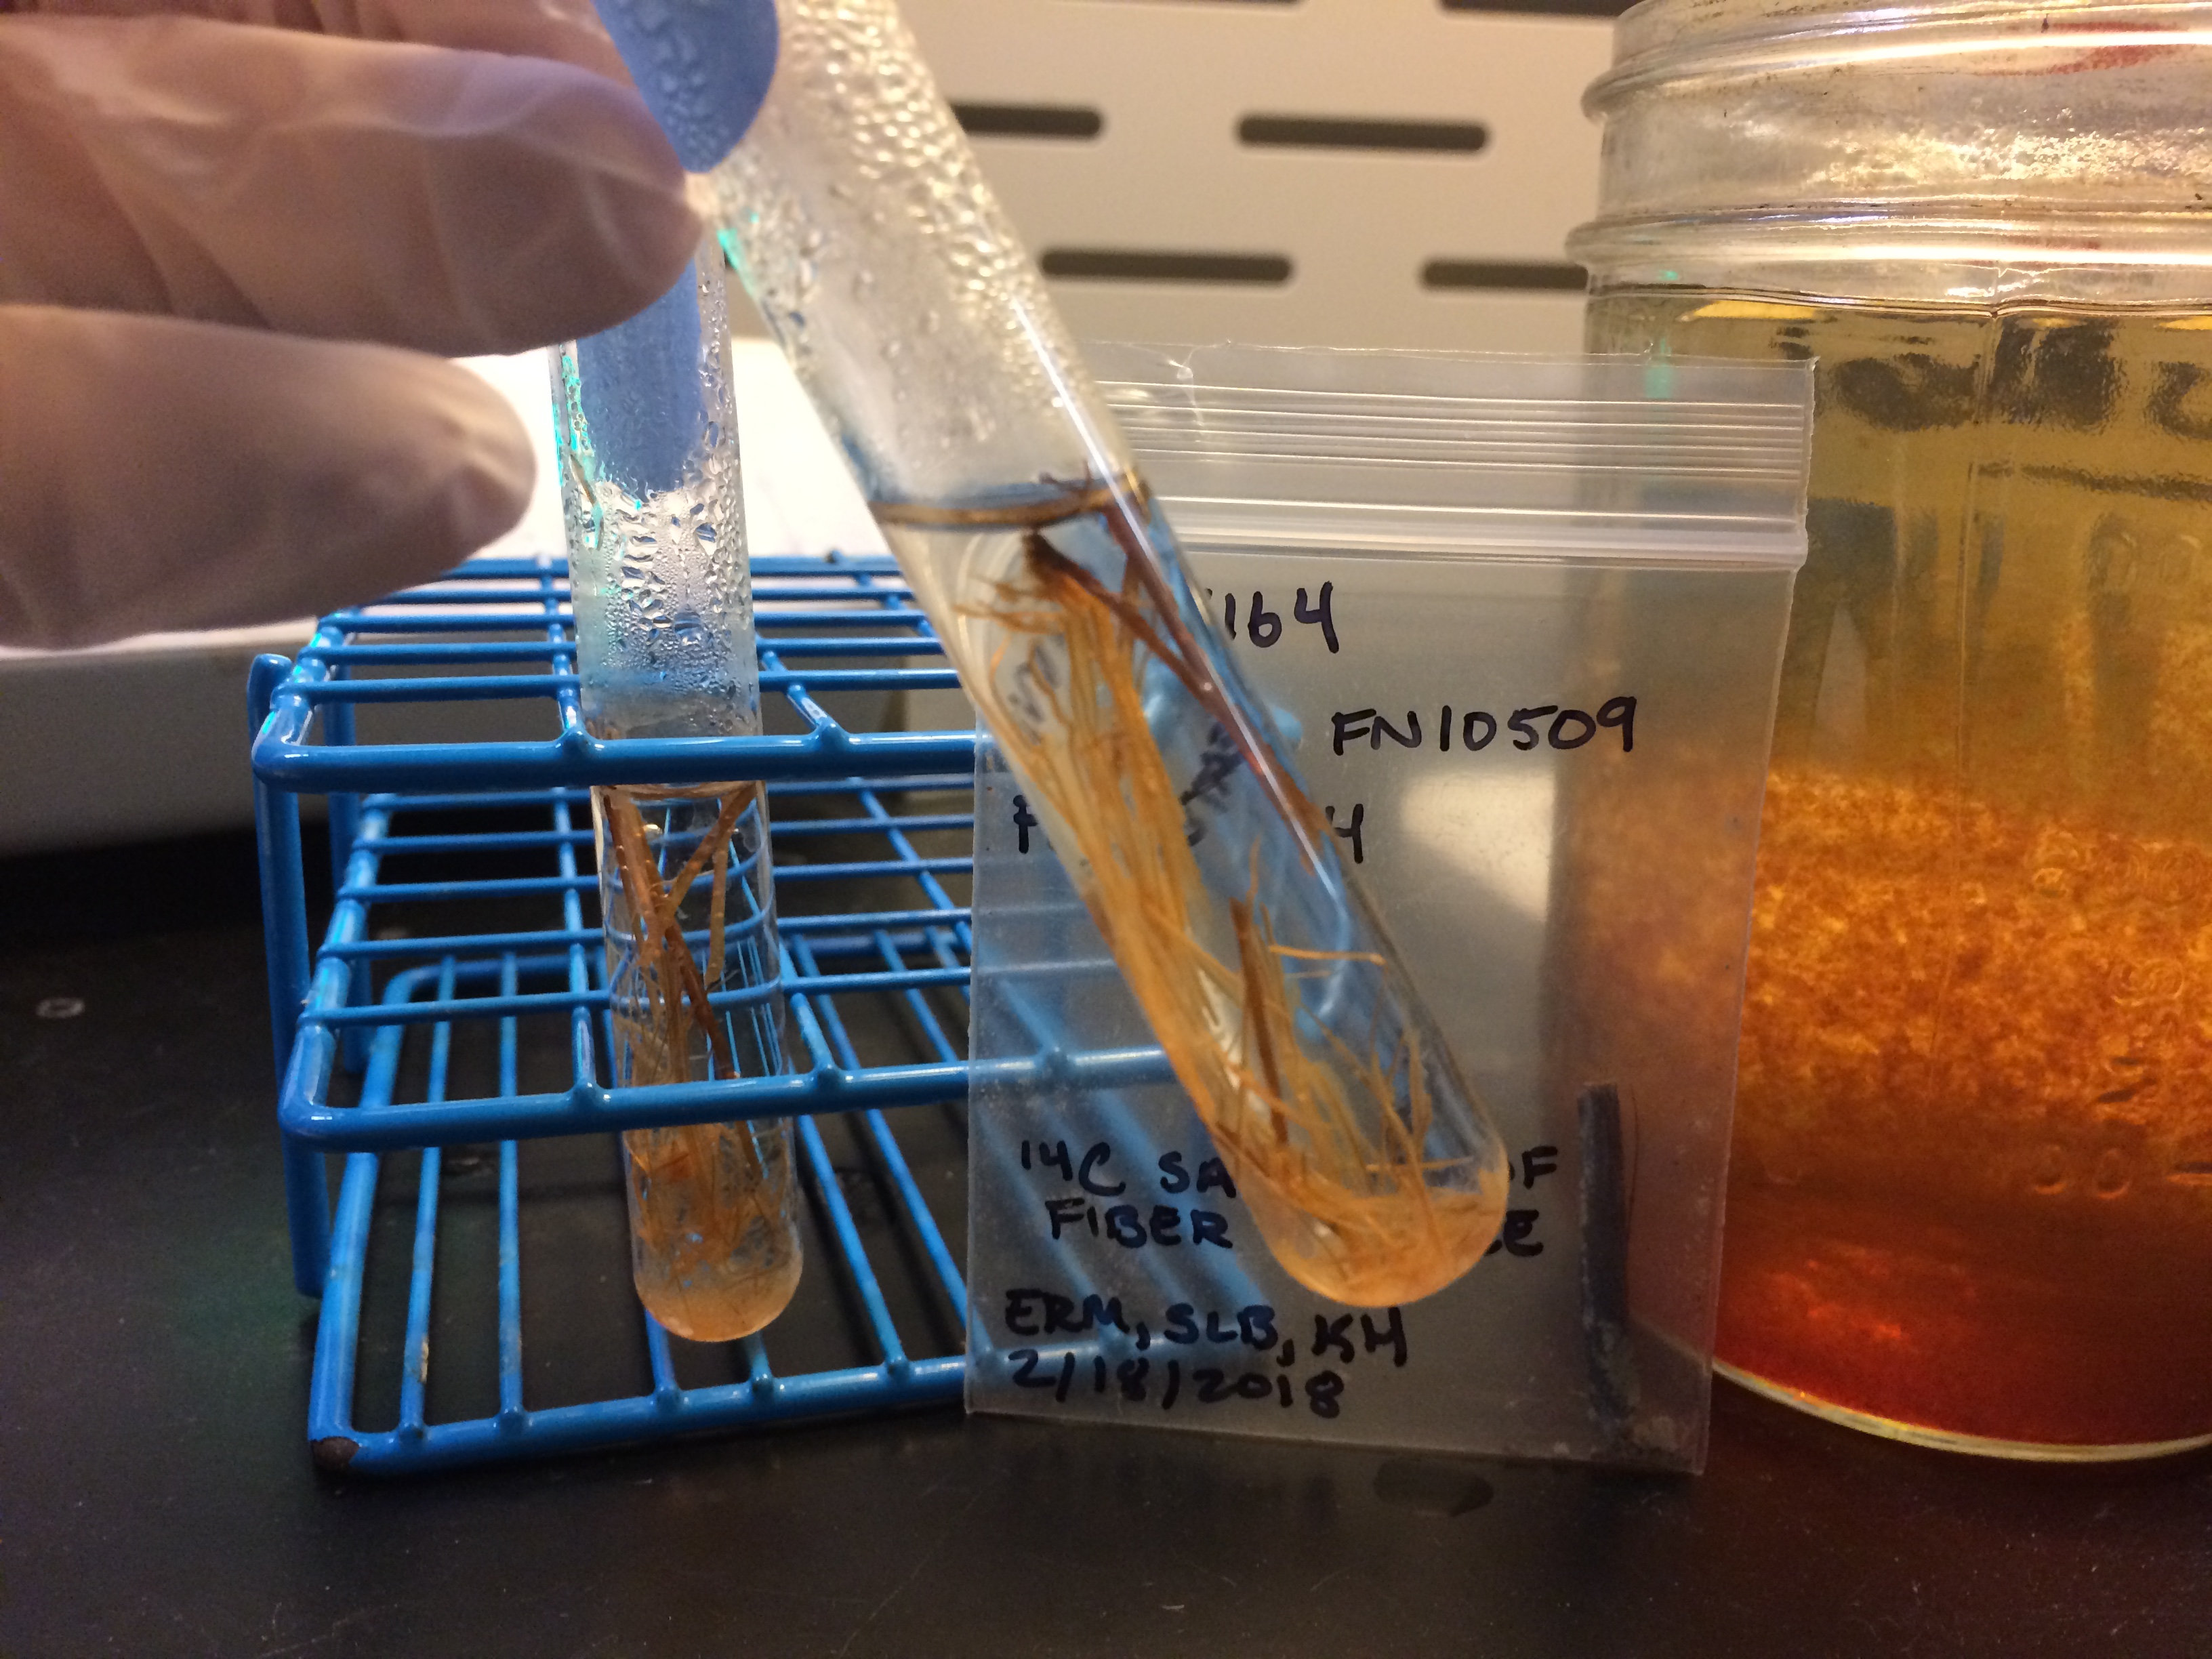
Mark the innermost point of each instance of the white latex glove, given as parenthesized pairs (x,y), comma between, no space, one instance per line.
(211,209)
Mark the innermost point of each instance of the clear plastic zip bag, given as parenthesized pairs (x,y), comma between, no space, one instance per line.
(1519,621)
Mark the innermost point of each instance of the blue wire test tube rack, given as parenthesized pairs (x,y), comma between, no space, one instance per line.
(452,1023)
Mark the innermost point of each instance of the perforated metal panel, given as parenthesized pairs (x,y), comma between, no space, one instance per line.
(1324,171)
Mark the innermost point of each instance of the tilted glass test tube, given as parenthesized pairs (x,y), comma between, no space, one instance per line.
(853,210)
(664,649)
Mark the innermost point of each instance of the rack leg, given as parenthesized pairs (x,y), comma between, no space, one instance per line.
(345,823)
(284,933)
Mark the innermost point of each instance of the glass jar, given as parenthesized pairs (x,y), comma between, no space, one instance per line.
(1970,1201)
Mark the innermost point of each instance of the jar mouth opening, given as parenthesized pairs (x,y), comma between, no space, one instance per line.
(2151,258)
(1664,40)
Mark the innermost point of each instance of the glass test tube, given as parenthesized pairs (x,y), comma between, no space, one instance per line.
(665,644)
(853,211)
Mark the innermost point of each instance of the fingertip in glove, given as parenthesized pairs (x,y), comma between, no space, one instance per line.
(164,473)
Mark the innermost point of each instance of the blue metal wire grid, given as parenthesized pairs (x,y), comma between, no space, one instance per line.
(397,979)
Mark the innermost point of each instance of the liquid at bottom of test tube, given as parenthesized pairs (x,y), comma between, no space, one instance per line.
(714,1242)
(715,1245)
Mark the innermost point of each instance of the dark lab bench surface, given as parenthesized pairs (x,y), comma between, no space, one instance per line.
(156,1496)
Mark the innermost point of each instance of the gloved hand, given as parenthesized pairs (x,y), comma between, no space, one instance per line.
(216,226)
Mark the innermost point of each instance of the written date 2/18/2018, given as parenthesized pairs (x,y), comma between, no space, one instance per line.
(1147,1377)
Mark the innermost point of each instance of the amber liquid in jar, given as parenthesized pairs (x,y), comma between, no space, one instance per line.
(1971,1195)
